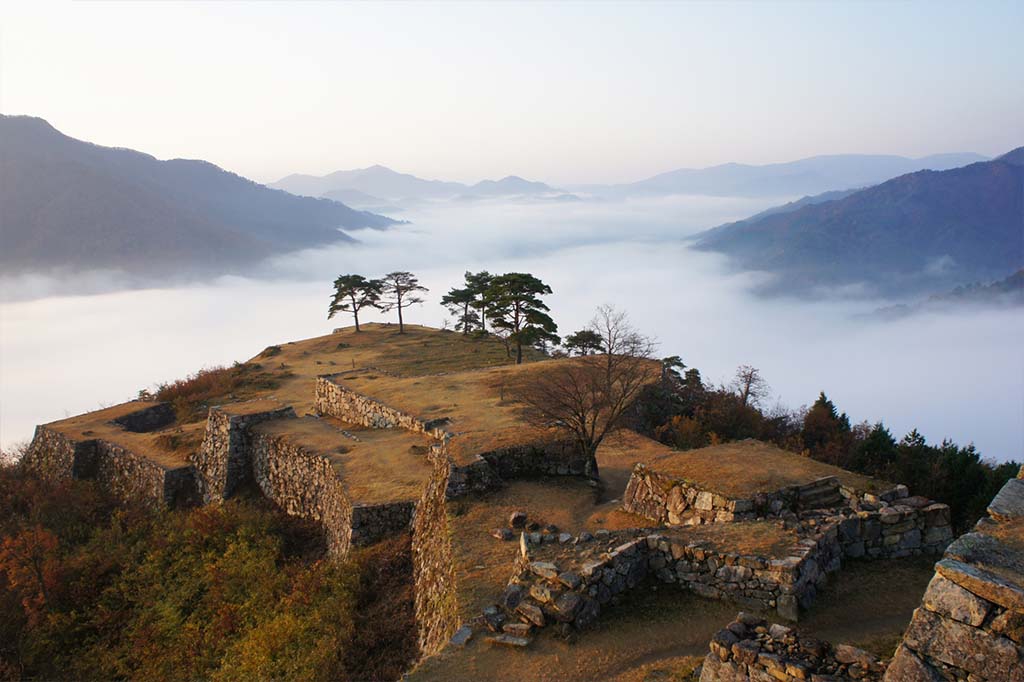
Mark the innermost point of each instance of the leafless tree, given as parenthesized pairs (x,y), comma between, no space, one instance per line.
(589,395)
(749,385)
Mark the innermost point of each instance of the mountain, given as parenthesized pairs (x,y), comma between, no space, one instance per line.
(362,201)
(916,233)
(795,178)
(377,181)
(71,204)
(1005,292)
(392,186)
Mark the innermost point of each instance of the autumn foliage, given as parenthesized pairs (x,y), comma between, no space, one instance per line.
(236,591)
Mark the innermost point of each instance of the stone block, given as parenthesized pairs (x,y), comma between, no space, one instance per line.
(984,654)
(949,599)
(1009,501)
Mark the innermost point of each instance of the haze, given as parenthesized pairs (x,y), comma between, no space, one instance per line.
(956,376)
(564,93)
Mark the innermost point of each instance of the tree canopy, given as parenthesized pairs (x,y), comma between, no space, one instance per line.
(517,310)
(352,293)
(400,290)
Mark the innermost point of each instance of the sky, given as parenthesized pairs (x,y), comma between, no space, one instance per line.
(562,92)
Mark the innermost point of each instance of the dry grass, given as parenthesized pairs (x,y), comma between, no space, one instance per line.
(746,467)
(754,538)
(384,465)
(192,396)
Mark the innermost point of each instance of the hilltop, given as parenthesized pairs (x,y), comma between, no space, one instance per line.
(73,205)
(524,556)
(914,234)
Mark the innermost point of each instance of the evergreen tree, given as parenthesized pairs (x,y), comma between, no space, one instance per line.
(479,285)
(583,342)
(517,311)
(400,290)
(352,293)
(460,303)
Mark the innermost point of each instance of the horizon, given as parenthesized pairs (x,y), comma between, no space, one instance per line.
(564,94)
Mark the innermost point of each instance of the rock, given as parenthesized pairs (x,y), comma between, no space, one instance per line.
(745,651)
(535,538)
(570,579)
(564,538)
(983,583)
(1009,501)
(1010,624)
(788,607)
(533,526)
(532,613)
(517,520)
(512,595)
(778,631)
(567,605)
(502,534)
(852,655)
(517,629)
(494,620)
(462,636)
(587,613)
(542,593)
(949,599)
(906,667)
(585,537)
(986,655)
(551,528)
(509,640)
(602,533)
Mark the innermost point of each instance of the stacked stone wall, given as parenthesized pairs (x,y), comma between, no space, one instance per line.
(303,484)
(437,605)
(970,625)
(750,648)
(568,591)
(913,526)
(333,399)
(151,418)
(373,522)
(123,473)
(222,462)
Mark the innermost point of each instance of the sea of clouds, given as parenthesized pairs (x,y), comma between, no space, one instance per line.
(950,375)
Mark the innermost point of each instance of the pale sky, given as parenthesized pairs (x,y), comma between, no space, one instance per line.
(564,93)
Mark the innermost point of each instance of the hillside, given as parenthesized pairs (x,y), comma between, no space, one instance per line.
(808,176)
(74,205)
(1005,292)
(915,234)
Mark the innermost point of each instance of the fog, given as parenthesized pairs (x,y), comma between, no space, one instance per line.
(957,376)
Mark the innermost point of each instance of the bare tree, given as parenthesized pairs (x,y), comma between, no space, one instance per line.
(749,385)
(588,396)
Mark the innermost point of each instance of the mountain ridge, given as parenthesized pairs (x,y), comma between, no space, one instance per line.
(72,204)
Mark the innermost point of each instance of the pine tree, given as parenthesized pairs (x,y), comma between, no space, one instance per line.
(400,290)
(352,293)
(517,311)
(460,303)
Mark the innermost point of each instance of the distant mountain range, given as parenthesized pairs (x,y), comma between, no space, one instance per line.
(384,184)
(69,204)
(916,233)
(795,178)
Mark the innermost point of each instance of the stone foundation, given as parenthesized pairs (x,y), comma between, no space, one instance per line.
(437,604)
(970,625)
(222,461)
(333,399)
(374,522)
(750,649)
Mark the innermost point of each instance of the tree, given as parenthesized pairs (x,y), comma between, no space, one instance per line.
(583,342)
(352,293)
(460,303)
(672,366)
(749,385)
(516,310)
(590,395)
(826,433)
(479,285)
(400,290)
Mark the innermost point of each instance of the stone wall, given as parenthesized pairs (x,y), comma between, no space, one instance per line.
(970,625)
(222,462)
(303,484)
(749,648)
(373,522)
(335,400)
(127,475)
(539,591)
(676,501)
(437,604)
(911,526)
(536,460)
(156,416)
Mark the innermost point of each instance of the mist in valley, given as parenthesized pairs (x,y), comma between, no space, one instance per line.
(949,375)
